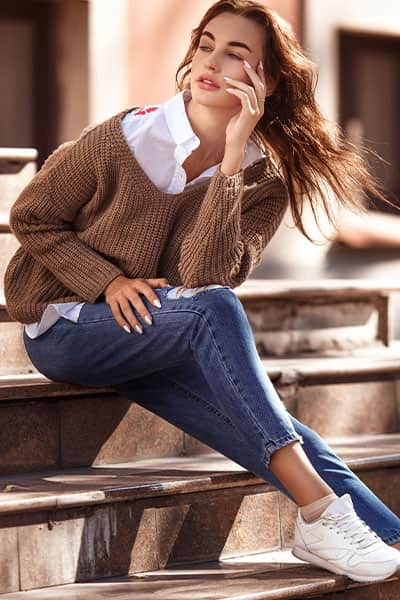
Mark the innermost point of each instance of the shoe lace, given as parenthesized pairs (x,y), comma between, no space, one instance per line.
(360,534)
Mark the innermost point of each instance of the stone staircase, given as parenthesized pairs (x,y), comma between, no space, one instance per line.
(100,497)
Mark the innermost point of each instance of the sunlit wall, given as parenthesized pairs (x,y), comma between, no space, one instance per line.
(136,45)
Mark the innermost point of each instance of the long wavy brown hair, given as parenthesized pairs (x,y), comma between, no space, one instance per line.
(313,152)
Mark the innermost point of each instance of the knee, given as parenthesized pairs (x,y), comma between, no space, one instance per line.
(181,291)
(211,296)
(219,300)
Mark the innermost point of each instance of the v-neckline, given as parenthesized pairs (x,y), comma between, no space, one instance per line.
(129,157)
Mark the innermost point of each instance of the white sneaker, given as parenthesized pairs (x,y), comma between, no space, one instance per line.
(341,542)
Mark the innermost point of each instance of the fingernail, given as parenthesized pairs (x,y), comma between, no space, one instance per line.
(138,329)
(261,65)
(148,320)
(127,329)
(246,63)
(226,77)
(157,303)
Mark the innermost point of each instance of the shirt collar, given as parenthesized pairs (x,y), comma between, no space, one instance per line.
(182,133)
(178,121)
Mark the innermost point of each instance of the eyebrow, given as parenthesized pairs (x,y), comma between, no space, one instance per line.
(239,44)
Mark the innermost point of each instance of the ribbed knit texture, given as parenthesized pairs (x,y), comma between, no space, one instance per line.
(91,213)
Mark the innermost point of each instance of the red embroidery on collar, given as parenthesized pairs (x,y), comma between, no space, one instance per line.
(146,110)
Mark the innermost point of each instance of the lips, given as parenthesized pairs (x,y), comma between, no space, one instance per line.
(207,78)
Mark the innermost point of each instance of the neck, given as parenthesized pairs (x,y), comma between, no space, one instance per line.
(209,124)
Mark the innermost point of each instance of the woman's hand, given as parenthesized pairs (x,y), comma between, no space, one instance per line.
(123,291)
(252,98)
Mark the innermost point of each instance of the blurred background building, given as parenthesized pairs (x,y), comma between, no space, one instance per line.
(68,63)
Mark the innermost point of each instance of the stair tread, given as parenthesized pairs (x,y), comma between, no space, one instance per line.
(376,359)
(22,155)
(269,575)
(285,288)
(32,385)
(63,488)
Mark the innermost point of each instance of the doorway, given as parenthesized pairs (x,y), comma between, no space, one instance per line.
(369,100)
(44,73)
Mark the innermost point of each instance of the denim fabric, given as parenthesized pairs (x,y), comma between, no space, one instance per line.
(197,367)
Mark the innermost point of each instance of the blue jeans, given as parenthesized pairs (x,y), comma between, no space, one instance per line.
(198,368)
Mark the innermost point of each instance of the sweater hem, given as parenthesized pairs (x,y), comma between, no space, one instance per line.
(35,312)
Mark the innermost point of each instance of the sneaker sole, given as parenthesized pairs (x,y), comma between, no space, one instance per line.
(320,562)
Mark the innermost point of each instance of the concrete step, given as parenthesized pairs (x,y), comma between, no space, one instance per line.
(8,246)
(64,526)
(48,424)
(288,317)
(13,356)
(264,576)
(17,168)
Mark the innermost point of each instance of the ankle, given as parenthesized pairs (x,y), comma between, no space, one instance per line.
(311,512)
(396,545)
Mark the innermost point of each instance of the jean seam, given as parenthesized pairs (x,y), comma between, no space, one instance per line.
(233,385)
(199,399)
(106,319)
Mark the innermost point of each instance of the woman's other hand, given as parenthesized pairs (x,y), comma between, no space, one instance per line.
(252,98)
(123,292)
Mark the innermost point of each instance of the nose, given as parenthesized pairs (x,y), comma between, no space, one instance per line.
(210,62)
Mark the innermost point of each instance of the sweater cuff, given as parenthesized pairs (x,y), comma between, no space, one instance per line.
(101,278)
(235,177)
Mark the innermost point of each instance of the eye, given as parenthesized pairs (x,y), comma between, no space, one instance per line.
(230,54)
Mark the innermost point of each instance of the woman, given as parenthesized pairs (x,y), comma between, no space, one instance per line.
(175,203)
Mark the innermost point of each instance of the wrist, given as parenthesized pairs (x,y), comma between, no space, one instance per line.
(232,161)
(108,286)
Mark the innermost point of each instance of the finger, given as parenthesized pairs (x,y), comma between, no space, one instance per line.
(119,317)
(258,79)
(248,89)
(148,291)
(129,316)
(160,282)
(126,307)
(256,73)
(244,99)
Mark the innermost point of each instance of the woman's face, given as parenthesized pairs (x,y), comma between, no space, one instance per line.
(225,42)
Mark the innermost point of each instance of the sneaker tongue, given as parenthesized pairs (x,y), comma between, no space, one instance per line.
(340,505)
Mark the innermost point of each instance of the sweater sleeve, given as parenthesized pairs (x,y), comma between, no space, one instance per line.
(227,239)
(42,219)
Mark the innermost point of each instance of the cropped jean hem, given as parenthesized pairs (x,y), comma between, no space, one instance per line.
(274,445)
(393,539)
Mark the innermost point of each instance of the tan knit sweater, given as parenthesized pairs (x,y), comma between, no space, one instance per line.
(91,213)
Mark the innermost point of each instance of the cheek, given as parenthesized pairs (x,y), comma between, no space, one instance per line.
(196,58)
